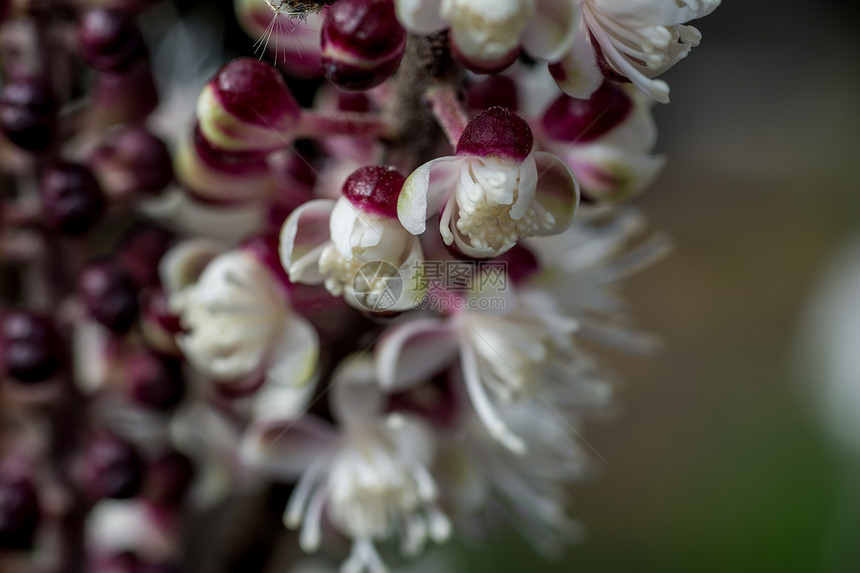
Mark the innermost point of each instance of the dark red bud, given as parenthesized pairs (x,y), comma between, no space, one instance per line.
(362,43)
(133,160)
(582,120)
(497,132)
(109,39)
(493,91)
(155,381)
(20,513)
(375,189)
(30,346)
(111,468)
(140,251)
(28,113)
(72,198)
(109,294)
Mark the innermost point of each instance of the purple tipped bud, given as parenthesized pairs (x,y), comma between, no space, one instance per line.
(124,96)
(375,189)
(247,107)
(108,39)
(582,120)
(111,468)
(28,113)
(132,160)
(20,513)
(72,199)
(169,477)
(141,249)
(30,346)
(497,132)
(155,381)
(362,43)
(493,91)
(218,176)
(109,294)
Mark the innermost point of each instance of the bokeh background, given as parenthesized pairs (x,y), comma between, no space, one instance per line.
(716,458)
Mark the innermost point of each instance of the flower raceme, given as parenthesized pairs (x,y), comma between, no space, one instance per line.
(494,191)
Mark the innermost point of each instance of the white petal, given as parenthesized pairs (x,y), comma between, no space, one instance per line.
(355,396)
(557,192)
(410,352)
(286,449)
(426,191)
(612,174)
(294,358)
(655,12)
(578,74)
(420,16)
(552,30)
(182,264)
(303,235)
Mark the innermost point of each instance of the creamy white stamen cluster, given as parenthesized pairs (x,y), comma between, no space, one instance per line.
(231,314)
(487,29)
(483,215)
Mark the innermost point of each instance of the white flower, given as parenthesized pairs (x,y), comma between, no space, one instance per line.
(505,355)
(355,246)
(236,316)
(369,475)
(488,33)
(494,192)
(637,40)
(582,268)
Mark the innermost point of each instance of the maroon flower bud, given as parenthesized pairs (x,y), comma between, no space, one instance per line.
(169,477)
(582,120)
(108,39)
(28,113)
(132,160)
(495,90)
(140,251)
(109,294)
(147,567)
(20,513)
(155,381)
(247,107)
(375,189)
(218,176)
(110,468)
(124,96)
(30,346)
(498,132)
(72,199)
(362,43)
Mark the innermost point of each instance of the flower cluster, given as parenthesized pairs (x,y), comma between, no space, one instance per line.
(378,294)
